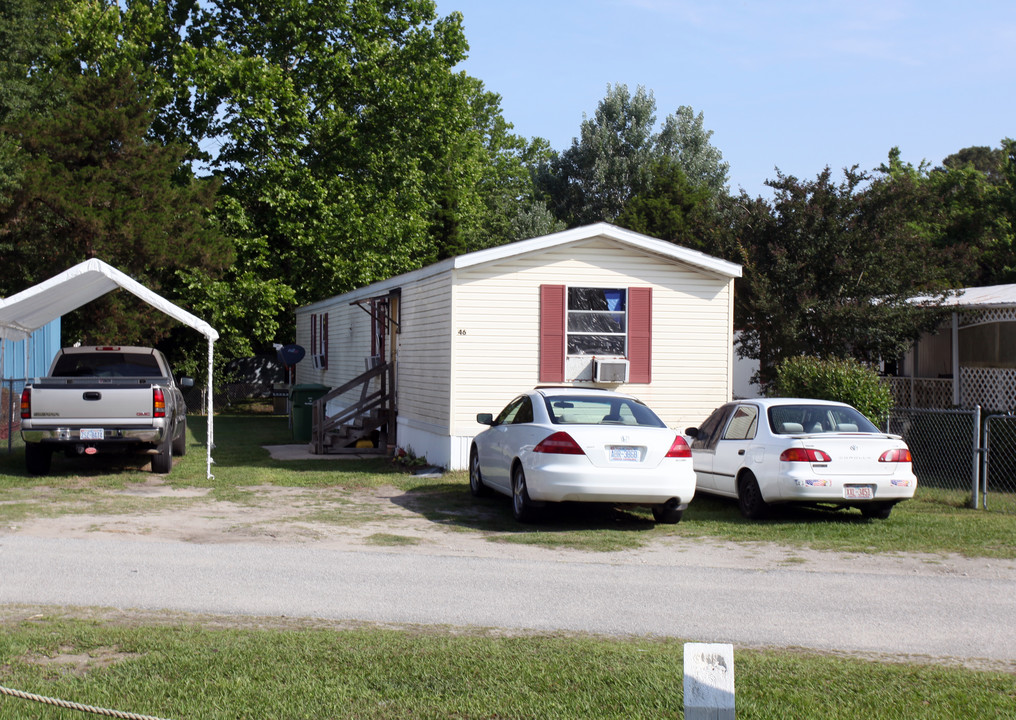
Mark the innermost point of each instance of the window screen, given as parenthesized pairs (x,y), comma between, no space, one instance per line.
(597,321)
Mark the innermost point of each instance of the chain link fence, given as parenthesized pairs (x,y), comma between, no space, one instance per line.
(239,398)
(962,451)
(998,468)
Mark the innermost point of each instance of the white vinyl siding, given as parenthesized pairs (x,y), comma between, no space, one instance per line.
(424,354)
(470,331)
(496,328)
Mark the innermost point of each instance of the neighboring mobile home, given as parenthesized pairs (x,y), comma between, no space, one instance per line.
(970,361)
(594,306)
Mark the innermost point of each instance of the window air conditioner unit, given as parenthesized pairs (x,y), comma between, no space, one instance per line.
(610,371)
(319,361)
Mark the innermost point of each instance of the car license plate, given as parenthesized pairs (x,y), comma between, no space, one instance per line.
(624,454)
(92,434)
(858,492)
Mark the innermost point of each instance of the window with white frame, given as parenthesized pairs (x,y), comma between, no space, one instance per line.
(597,321)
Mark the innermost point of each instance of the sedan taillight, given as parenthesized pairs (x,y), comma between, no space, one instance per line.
(804,455)
(560,443)
(897,455)
(679,449)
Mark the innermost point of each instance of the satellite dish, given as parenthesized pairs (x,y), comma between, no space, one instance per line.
(290,355)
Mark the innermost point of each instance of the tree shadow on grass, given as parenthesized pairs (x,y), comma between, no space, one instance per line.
(721,509)
(584,526)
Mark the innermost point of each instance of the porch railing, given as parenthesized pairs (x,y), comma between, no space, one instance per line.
(374,410)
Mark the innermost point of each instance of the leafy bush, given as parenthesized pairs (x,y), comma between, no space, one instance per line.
(847,381)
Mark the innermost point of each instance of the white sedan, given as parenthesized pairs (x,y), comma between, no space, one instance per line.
(778,450)
(568,444)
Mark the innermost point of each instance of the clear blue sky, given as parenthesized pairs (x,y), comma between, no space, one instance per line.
(781,83)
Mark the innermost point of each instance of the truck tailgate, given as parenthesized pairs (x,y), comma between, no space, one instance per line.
(61,402)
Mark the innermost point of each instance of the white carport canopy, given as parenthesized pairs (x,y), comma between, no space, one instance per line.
(29,310)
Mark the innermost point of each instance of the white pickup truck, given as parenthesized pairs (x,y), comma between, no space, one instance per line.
(105,400)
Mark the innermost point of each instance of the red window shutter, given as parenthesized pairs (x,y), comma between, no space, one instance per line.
(313,334)
(552,336)
(324,340)
(640,335)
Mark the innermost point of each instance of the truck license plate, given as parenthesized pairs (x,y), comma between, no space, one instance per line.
(624,454)
(92,434)
(859,492)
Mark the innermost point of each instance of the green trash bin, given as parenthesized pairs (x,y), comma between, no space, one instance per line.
(301,400)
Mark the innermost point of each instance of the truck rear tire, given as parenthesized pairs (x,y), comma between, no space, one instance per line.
(38,459)
(180,442)
(162,461)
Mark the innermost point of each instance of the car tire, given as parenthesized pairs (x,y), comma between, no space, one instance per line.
(38,459)
(749,498)
(162,461)
(522,505)
(180,442)
(476,486)
(667,514)
(877,511)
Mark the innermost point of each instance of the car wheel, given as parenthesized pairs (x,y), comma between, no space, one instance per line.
(180,442)
(476,486)
(522,506)
(749,498)
(162,461)
(877,511)
(667,514)
(38,459)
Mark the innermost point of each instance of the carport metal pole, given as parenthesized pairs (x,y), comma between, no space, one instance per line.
(211,409)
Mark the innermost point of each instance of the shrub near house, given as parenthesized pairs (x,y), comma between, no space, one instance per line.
(843,380)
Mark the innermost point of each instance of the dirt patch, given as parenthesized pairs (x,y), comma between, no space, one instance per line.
(389,520)
(69,661)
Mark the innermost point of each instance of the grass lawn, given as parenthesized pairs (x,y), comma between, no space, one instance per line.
(182,667)
(935,521)
(192,670)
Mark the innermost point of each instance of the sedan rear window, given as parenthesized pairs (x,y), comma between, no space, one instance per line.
(812,419)
(593,410)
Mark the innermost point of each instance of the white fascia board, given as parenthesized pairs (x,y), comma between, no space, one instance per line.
(602,230)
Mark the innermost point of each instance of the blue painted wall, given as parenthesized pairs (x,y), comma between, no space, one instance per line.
(41,349)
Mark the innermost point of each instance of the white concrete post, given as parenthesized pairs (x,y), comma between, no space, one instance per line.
(708,681)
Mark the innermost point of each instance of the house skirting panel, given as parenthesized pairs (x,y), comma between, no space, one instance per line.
(435,444)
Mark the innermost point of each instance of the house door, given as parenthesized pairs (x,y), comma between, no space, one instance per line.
(384,333)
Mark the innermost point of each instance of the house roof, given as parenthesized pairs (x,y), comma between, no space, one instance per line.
(983,297)
(668,250)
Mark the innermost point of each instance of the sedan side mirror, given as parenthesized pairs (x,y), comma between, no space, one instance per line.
(691,432)
(485,418)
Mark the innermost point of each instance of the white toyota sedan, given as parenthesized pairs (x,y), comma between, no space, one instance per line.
(779,450)
(567,444)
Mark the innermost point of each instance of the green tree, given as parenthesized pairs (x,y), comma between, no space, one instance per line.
(982,158)
(685,139)
(617,153)
(672,208)
(346,146)
(350,150)
(93,185)
(830,270)
(959,209)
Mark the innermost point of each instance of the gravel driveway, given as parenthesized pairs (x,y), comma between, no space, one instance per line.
(273,559)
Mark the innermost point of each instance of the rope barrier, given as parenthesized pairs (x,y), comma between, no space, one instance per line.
(74,706)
